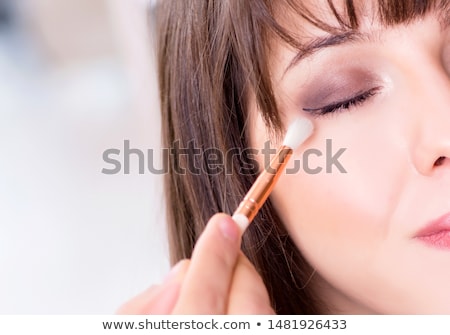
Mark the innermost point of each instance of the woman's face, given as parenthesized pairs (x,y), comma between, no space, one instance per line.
(363,222)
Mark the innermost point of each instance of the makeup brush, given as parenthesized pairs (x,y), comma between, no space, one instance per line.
(297,133)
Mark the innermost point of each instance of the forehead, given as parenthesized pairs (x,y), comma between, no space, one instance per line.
(298,16)
(314,25)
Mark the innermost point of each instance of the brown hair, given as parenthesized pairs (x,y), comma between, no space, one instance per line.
(212,54)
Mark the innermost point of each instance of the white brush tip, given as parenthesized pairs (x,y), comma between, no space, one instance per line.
(298,132)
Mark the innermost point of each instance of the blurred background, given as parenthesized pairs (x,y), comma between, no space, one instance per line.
(77,77)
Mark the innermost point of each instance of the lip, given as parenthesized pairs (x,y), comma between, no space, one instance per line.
(436,233)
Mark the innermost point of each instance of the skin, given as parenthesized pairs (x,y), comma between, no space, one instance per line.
(356,229)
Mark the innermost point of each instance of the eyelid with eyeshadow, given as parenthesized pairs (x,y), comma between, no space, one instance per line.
(347,103)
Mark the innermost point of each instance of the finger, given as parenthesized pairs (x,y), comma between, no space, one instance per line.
(207,283)
(164,301)
(134,305)
(158,299)
(248,294)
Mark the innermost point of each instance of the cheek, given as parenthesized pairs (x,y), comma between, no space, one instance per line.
(340,220)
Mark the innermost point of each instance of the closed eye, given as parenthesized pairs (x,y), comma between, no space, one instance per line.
(341,106)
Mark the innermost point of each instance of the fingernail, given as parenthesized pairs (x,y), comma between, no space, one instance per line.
(229,229)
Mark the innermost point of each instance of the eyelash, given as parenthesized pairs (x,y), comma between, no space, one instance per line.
(344,105)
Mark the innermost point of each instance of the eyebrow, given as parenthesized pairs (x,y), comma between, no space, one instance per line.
(321,43)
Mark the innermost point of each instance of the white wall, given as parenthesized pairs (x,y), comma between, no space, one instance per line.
(74,240)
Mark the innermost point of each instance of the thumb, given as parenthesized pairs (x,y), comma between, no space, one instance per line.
(208,281)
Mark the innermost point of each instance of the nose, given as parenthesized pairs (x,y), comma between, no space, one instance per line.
(431,151)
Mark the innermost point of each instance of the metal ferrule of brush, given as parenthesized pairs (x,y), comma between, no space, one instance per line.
(264,184)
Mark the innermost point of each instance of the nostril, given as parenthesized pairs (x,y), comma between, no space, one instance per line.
(439,161)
